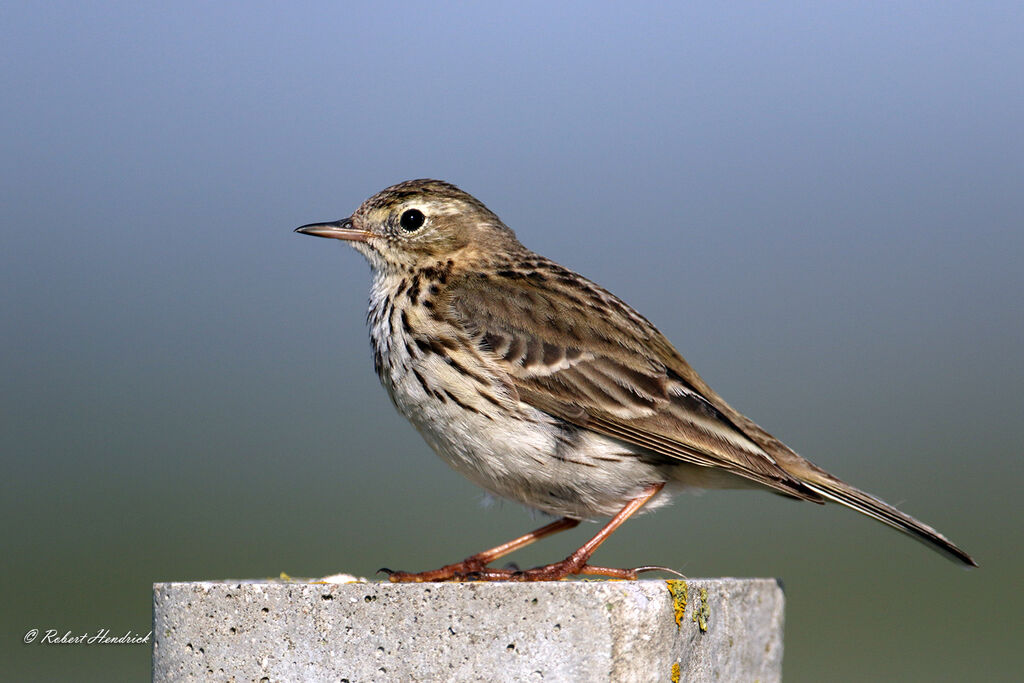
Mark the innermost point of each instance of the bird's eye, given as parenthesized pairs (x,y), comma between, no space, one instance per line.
(411,220)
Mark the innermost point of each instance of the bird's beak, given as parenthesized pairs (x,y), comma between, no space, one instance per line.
(339,230)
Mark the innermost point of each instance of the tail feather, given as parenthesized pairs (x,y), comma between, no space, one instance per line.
(844,494)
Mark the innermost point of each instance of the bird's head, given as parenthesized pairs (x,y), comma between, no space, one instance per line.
(417,223)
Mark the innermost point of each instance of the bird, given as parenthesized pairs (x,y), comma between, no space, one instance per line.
(544,388)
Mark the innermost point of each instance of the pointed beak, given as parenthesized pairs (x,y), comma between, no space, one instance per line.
(339,230)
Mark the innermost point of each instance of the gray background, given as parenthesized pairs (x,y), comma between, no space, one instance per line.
(820,203)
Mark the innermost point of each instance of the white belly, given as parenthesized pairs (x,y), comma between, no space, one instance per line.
(532,458)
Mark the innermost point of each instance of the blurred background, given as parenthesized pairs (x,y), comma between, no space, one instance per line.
(819,203)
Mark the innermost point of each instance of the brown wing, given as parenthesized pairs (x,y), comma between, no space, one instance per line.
(572,349)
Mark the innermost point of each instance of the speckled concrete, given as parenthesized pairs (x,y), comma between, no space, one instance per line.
(701,629)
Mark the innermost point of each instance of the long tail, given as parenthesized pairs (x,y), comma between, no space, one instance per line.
(841,492)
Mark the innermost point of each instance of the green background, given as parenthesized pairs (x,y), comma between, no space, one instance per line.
(819,203)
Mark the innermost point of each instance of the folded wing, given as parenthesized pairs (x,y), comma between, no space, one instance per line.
(577,352)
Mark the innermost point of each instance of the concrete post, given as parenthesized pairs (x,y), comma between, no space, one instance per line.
(695,629)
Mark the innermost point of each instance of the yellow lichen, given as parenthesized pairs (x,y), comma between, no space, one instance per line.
(679,592)
(700,616)
(676,672)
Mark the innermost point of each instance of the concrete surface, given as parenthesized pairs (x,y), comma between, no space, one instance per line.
(697,629)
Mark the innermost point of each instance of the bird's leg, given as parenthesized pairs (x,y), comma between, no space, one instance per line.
(475,566)
(577,562)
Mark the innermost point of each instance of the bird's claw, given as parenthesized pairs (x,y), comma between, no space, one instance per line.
(656,568)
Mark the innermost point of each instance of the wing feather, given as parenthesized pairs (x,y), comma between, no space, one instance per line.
(579,353)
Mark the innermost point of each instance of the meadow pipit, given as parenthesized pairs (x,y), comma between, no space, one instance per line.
(544,388)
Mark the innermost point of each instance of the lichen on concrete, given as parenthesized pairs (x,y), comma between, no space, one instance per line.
(678,590)
(700,616)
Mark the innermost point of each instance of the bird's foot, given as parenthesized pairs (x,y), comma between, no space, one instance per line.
(472,569)
(569,567)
